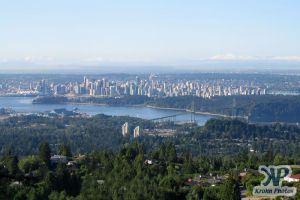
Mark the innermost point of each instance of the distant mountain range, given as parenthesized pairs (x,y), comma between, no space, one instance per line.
(23,66)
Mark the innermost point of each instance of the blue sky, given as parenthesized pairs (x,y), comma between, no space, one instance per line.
(91,32)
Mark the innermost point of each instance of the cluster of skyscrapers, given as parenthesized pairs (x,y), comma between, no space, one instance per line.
(151,87)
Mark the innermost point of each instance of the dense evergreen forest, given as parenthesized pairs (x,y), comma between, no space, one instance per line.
(23,134)
(196,163)
(132,173)
(264,108)
(107,175)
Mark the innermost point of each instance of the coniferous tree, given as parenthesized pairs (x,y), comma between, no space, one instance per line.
(64,150)
(45,153)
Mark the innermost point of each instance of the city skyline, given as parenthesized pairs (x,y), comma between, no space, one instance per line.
(150,85)
(194,35)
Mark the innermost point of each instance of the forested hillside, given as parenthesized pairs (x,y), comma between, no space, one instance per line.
(130,173)
(22,135)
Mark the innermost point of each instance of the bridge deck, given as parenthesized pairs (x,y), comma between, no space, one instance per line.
(169,116)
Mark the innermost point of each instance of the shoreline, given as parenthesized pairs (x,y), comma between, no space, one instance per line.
(154,107)
(136,105)
(77,103)
(20,95)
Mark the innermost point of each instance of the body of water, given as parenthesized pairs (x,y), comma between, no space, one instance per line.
(24,104)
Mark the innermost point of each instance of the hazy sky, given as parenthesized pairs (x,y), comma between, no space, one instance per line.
(148,31)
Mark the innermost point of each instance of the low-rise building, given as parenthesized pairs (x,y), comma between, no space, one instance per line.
(292,178)
(58,159)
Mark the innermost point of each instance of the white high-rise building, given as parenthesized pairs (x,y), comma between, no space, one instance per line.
(125,129)
(136,132)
